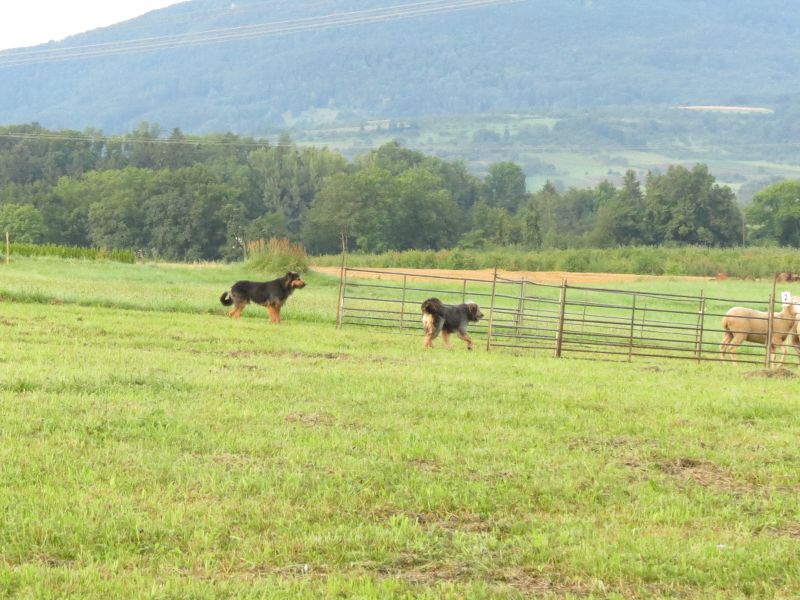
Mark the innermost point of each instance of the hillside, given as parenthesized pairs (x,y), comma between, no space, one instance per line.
(500,56)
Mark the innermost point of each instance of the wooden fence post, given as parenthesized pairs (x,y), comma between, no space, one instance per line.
(770,324)
(491,310)
(562,303)
(8,247)
(701,317)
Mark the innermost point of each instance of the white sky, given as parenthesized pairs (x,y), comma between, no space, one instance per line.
(32,22)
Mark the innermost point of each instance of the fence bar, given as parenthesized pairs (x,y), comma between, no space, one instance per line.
(342,284)
(701,317)
(403,303)
(520,316)
(633,324)
(770,323)
(417,276)
(491,311)
(598,321)
(644,318)
(562,303)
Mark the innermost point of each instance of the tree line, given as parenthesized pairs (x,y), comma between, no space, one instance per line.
(181,197)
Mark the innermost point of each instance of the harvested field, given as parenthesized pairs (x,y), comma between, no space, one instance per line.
(541,276)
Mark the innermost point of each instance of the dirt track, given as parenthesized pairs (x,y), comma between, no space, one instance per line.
(543,276)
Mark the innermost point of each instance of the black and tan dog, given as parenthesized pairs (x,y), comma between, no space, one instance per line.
(448,318)
(269,294)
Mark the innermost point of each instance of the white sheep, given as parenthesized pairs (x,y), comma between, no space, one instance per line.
(746,324)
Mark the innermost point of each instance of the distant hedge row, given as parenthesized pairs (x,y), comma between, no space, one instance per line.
(686,260)
(124,256)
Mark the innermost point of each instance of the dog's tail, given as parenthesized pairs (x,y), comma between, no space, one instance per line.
(226,299)
(433,306)
(432,310)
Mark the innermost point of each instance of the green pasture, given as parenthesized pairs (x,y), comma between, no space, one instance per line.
(152,447)
(453,138)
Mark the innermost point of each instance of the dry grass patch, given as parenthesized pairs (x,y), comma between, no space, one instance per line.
(706,474)
(427,465)
(779,373)
(314,419)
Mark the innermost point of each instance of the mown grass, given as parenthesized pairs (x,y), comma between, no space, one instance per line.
(151,447)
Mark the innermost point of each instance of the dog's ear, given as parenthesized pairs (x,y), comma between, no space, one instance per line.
(477,315)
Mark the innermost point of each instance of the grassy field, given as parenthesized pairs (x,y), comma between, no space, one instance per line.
(151,447)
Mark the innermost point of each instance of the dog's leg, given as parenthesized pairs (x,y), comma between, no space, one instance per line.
(236,311)
(462,335)
(430,335)
(274,313)
(446,339)
(431,331)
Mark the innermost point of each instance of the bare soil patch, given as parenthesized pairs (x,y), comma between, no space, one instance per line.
(486,275)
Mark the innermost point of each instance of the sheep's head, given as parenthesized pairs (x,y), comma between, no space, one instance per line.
(791,302)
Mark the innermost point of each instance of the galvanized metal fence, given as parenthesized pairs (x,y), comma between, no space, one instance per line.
(559,319)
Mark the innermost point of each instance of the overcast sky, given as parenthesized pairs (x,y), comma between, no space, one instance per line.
(32,22)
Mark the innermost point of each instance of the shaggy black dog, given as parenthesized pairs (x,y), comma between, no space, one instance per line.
(270,294)
(448,318)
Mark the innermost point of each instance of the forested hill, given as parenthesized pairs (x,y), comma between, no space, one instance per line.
(498,56)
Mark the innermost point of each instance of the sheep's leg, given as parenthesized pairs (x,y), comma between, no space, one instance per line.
(773,351)
(783,351)
(794,339)
(723,347)
(735,343)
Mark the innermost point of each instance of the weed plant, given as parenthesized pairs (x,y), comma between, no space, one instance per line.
(276,255)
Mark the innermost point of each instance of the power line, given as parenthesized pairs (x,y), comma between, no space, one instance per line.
(246,32)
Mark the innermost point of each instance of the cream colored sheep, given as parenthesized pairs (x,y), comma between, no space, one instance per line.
(794,338)
(746,324)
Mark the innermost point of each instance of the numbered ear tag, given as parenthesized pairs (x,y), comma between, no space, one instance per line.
(786,297)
